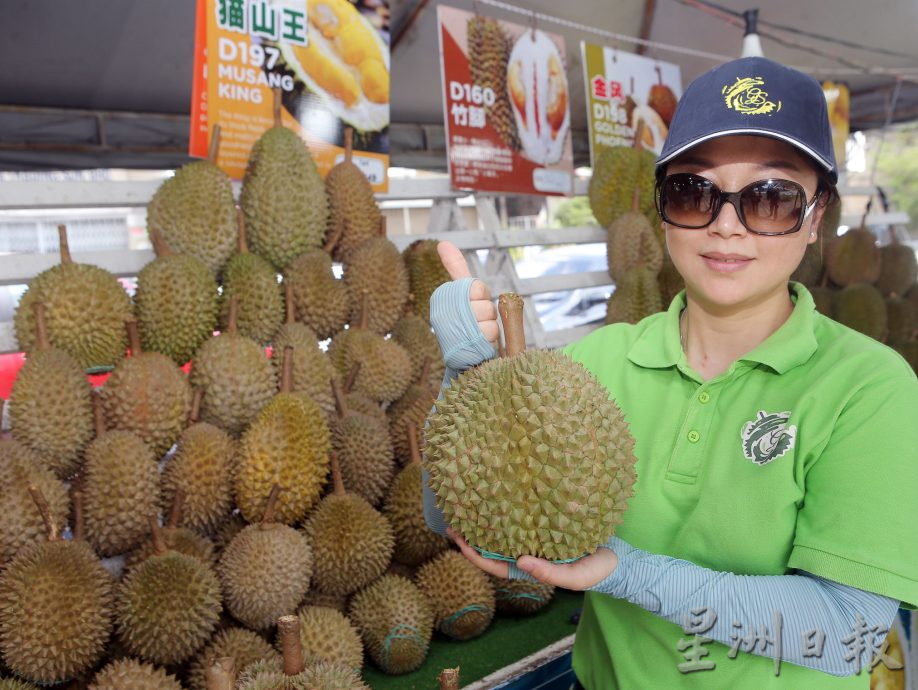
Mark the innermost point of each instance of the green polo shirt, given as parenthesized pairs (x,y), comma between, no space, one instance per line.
(802,455)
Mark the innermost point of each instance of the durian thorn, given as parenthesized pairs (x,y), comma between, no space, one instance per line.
(233,315)
(510,307)
(98,414)
(214,149)
(335,235)
(337,481)
(288,301)
(156,532)
(243,245)
(160,248)
(348,143)
(276,106)
(133,337)
(268,517)
(636,199)
(425,372)
(449,679)
(64,244)
(340,402)
(412,430)
(286,385)
(288,628)
(382,226)
(195,415)
(41,329)
(44,511)
(79,516)
(175,513)
(221,673)
(364,315)
(638,135)
(352,377)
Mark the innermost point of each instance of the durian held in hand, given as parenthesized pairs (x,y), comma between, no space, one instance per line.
(527,454)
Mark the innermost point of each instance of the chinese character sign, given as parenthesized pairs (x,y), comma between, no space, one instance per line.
(506,105)
(623,91)
(330,59)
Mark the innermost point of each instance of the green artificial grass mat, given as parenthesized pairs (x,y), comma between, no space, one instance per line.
(507,640)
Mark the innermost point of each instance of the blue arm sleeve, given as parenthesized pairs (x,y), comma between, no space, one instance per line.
(463,346)
(794,604)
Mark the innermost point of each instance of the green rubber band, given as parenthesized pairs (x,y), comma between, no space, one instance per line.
(400,632)
(498,557)
(447,625)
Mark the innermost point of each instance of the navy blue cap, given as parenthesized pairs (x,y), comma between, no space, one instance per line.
(753,95)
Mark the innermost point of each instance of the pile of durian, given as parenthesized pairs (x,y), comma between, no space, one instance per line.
(167,520)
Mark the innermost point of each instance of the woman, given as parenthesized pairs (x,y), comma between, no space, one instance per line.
(775,508)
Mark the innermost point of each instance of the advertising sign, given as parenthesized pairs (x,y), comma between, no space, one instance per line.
(330,58)
(506,104)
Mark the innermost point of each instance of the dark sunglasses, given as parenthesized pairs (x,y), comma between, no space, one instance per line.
(764,207)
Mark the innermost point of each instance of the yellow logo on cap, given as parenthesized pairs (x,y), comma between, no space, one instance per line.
(746,97)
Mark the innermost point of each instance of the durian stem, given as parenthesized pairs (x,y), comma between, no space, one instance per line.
(196,399)
(287,371)
(79,516)
(160,248)
(233,314)
(425,372)
(175,514)
(288,301)
(288,628)
(348,143)
(449,679)
(133,337)
(214,148)
(268,517)
(336,475)
(659,75)
(636,199)
(336,231)
(501,350)
(276,107)
(412,431)
(638,135)
(65,244)
(352,377)
(510,307)
(243,246)
(159,544)
(98,414)
(44,511)
(221,673)
(340,402)
(382,226)
(41,329)
(364,316)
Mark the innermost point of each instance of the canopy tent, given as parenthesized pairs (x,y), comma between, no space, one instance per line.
(107,83)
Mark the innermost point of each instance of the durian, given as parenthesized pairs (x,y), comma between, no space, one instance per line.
(15,684)
(50,404)
(354,217)
(376,268)
(326,635)
(489,50)
(194,211)
(460,595)
(287,674)
(823,298)
(330,601)
(636,296)
(320,300)
(631,242)
(396,623)
(898,268)
(176,538)
(854,258)
(360,402)
(85,310)
(415,335)
(130,674)
(901,320)
(412,408)
(283,195)
(243,646)
(326,676)
(617,171)
(520,597)
(528,455)
(425,274)
(861,306)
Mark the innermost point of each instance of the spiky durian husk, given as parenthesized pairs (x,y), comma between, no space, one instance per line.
(283,198)
(519,597)
(202,466)
(365,455)
(261,299)
(130,674)
(237,379)
(147,394)
(319,299)
(269,675)
(528,455)
(616,172)
(901,320)
(227,531)
(413,407)
(823,298)
(330,601)
(244,646)
(489,49)
(14,684)
(326,635)
(395,622)
(861,307)
(352,543)
(265,572)
(376,267)
(459,593)
(898,269)
(326,676)
(56,605)
(195,213)
(630,242)
(362,403)
(20,521)
(167,607)
(636,296)
(352,208)
(287,444)
(854,258)
(121,492)
(176,302)
(415,335)
(179,539)
(312,369)
(386,368)
(425,274)
(85,311)
(404,508)
(50,409)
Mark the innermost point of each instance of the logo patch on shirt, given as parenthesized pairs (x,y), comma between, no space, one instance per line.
(768,437)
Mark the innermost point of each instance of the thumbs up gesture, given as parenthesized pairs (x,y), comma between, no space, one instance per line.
(480,296)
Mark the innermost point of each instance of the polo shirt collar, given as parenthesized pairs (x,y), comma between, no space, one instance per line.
(659,347)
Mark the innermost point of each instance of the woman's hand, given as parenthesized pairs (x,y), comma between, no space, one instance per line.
(579,575)
(482,306)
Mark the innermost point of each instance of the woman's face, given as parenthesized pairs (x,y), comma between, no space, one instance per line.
(724,265)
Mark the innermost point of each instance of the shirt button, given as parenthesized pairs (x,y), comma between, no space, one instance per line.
(704,397)
(693,436)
